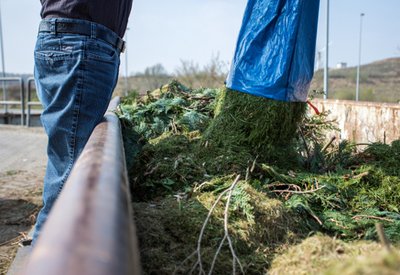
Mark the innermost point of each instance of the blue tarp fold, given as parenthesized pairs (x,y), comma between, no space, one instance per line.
(275,51)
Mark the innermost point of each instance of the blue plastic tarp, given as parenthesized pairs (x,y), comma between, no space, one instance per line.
(275,51)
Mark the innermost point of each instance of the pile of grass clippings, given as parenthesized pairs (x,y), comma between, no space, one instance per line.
(184,148)
(380,262)
(169,230)
(246,122)
(321,254)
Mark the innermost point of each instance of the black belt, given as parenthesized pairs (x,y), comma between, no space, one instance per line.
(83,28)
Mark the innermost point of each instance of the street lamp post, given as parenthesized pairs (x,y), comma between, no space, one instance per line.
(359,59)
(326,70)
(126,63)
(2,65)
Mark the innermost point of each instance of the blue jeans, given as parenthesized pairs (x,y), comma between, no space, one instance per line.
(75,76)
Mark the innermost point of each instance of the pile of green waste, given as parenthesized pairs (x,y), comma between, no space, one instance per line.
(227,182)
(330,256)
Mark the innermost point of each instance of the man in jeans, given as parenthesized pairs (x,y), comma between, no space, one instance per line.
(76,69)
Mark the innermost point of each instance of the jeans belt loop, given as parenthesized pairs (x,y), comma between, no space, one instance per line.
(122,46)
(92,30)
(53,27)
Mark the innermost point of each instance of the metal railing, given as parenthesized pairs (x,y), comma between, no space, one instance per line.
(20,102)
(29,102)
(90,229)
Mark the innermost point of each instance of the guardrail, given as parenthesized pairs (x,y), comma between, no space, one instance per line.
(21,102)
(90,229)
(26,103)
(29,102)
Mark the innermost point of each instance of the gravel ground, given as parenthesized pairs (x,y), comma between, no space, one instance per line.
(22,167)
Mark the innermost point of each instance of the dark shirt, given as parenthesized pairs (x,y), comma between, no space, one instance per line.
(110,13)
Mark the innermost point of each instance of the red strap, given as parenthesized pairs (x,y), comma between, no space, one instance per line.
(313,107)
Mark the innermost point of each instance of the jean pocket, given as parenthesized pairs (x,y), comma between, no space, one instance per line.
(52,48)
(99,50)
(53,55)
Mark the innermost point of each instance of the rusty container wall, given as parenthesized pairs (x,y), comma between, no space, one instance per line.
(90,229)
(363,122)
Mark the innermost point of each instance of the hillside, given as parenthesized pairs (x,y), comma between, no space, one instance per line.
(379,81)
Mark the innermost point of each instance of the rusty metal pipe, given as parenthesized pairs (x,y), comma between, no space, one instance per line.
(90,229)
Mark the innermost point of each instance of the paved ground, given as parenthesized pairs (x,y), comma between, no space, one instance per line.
(22,167)
(22,148)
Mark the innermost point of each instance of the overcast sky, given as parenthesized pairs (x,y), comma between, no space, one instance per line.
(167,32)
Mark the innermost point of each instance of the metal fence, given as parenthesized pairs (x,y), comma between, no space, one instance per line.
(30,102)
(6,102)
(90,229)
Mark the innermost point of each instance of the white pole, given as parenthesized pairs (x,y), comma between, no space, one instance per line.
(2,65)
(359,59)
(326,70)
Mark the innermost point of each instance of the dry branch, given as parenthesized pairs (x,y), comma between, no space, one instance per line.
(298,192)
(356,217)
(199,263)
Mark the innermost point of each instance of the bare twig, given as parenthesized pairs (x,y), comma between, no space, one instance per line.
(363,174)
(254,165)
(173,126)
(319,123)
(382,236)
(316,218)
(234,256)
(356,217)
(199,262)
(184,261)
(328,144)
(250,169)
(216,254)
(337,223)
(199,187)
(153,169)
(298,192)
(305,144)
(247,172)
